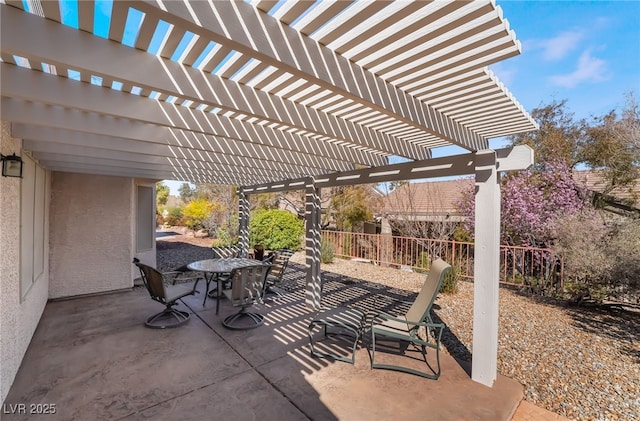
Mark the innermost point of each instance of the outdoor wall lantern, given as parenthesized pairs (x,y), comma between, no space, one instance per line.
(11,165)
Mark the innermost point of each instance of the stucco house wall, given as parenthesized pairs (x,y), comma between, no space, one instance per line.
(88,232)
(20,311)
(91,234)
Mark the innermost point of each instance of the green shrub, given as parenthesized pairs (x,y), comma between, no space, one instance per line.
(450,281)
(424,262)
(174,216)
(218,242)
(275,229)
(327,252)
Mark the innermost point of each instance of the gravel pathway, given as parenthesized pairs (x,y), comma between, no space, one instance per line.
(580,363)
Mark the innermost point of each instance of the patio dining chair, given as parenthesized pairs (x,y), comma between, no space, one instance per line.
(224,252)
(247,288)
(154,281)
(406,328)
(280,262)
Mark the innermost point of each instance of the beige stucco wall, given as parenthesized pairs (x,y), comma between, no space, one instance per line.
(91,228)
(89,241)
(19,316)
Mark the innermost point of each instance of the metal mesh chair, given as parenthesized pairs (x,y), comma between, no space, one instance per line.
(280,262)
(154,281)
(247,288)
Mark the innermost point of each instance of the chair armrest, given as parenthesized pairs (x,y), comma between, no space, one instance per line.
(176,275)
(389,300)
(172,272)
(381,315)
(435,329)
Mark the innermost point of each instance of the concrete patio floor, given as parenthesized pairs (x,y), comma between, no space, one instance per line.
(93,358)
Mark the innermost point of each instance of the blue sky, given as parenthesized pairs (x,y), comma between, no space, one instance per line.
(587,52)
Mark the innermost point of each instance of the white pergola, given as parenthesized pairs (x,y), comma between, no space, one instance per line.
(272,95)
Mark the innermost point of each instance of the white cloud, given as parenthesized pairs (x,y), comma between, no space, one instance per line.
(505,75)
(590,69)
(558,47)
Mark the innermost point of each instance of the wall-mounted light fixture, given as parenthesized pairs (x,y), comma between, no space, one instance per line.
(11,165)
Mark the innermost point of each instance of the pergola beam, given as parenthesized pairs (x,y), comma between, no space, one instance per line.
(254,159)
(508,159)
(80,153)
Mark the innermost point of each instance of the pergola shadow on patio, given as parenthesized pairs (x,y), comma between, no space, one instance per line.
(93,358)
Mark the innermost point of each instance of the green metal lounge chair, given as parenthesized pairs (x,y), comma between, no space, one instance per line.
(405,328)
(155,281)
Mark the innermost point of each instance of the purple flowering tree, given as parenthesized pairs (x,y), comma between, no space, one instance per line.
(531,201)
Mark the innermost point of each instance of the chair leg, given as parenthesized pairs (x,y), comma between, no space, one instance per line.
(433,376)
(235,321)
(271,293)
(171,316)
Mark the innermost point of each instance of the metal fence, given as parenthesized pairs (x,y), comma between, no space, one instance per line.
(538,269)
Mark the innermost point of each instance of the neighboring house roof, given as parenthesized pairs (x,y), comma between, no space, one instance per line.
(426,201)
(619,200)
(432,200)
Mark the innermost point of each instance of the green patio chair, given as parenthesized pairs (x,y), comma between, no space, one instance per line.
(155,282)
(406,328)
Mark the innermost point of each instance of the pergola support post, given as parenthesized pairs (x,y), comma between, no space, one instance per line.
(486,269)
(313,293)
(243,234)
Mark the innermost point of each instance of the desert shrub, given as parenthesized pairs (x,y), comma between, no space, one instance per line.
(581,239)
(423,263)
(174,216)
(450,281)
(196,213)
(624,254)
(275,229)
(327,252)
(460,233)
(219,242)
(227,233)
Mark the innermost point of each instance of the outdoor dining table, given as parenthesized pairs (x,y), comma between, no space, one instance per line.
(213,269)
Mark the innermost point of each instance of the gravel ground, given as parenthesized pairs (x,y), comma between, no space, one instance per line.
(580,363)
